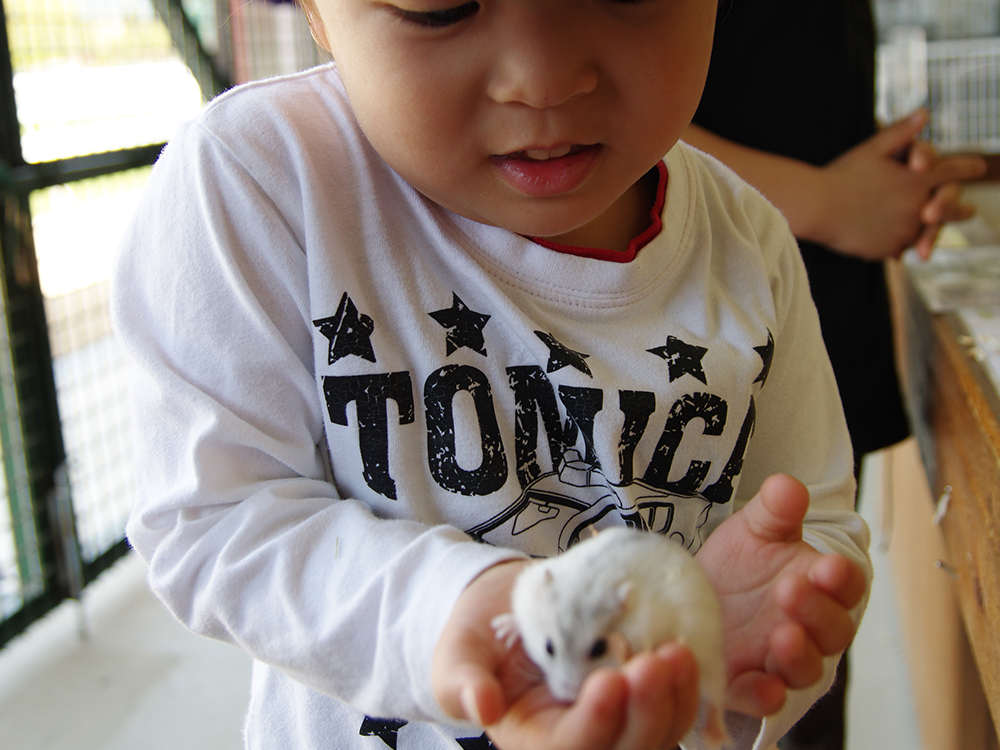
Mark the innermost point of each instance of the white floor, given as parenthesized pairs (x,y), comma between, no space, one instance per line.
(139,681)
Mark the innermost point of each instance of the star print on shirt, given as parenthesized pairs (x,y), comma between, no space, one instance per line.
(475,743)
(386,730)
(465,326)
(766,353)
(561,356)
(349,332)
(682,359)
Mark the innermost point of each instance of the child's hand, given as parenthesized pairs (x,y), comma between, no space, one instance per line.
(650,703)
(784,605)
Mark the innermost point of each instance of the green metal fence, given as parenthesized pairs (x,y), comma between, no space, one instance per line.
(89,92)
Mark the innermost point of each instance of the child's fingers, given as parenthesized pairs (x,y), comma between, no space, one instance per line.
(468,692)
(756,694)
(482,700)
(596,719)
(776,513)
(663,699)
(840,578)
(592,722)
(794,657)
(826,622)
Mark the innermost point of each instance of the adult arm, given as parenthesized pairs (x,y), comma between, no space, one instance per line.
(875,200)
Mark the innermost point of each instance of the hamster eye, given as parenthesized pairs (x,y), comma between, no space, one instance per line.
(599,649)
(549,648)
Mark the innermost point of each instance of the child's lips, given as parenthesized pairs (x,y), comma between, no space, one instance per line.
(543,172)
(542,154)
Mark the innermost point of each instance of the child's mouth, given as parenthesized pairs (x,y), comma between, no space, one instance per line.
(538,154)
(547,172)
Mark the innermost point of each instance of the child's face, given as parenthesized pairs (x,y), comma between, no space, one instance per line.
(539,116)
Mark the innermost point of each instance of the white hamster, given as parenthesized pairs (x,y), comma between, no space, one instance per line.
(621,592)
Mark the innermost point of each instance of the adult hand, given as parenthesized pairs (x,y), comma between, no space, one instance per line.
(890,192)
(945,203)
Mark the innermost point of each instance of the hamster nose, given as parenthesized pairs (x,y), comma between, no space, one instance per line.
(566,687)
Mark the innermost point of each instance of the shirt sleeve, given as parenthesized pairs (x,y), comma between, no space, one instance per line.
(800,430)
(245,535)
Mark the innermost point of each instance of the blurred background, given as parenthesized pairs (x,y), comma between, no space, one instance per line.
(89,92)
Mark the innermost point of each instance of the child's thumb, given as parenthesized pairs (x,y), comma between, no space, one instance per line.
(470,693)
(775,514)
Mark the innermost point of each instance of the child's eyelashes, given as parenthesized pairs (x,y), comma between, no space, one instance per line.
(438,18)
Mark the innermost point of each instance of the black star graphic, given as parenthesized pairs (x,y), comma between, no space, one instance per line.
(682,359)
(349,332)
(385,729)
(561,356)
(766,353)
(475,743)
(465,326)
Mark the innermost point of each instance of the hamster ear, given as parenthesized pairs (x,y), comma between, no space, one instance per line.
(623,593)
(619,647)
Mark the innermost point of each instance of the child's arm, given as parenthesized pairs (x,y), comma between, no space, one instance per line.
(246,537)
(799,430)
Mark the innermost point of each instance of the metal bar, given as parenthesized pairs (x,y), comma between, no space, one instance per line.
(224,56)
(212,80)
(10,126)
(35,406)
(34,435)
(12,449)
(24,178)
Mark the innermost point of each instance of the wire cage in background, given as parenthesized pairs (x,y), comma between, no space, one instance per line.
(963,91)
(941,19)
(957,80)
(943,55)
(98,86)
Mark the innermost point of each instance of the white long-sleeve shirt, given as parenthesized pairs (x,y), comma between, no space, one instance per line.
(348,402)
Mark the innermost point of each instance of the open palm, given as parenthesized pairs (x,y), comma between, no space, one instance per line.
(784,605)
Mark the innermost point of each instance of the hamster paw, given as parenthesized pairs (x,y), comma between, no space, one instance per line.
(505,629)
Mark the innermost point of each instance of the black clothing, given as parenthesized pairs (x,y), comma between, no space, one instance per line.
(797,78)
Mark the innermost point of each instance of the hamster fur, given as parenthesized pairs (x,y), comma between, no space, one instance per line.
(621,592)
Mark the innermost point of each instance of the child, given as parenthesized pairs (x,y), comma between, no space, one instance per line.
(401,321)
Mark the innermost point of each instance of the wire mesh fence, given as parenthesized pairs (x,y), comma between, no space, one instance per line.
(98,77)
(92,76)
(21,577)
(270,39)
(76,229)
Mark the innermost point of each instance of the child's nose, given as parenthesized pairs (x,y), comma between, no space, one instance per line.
(541,65)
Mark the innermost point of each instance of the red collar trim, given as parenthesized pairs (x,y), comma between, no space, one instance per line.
(637,243)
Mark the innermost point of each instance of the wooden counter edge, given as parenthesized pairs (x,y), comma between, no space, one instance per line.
(954,409)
